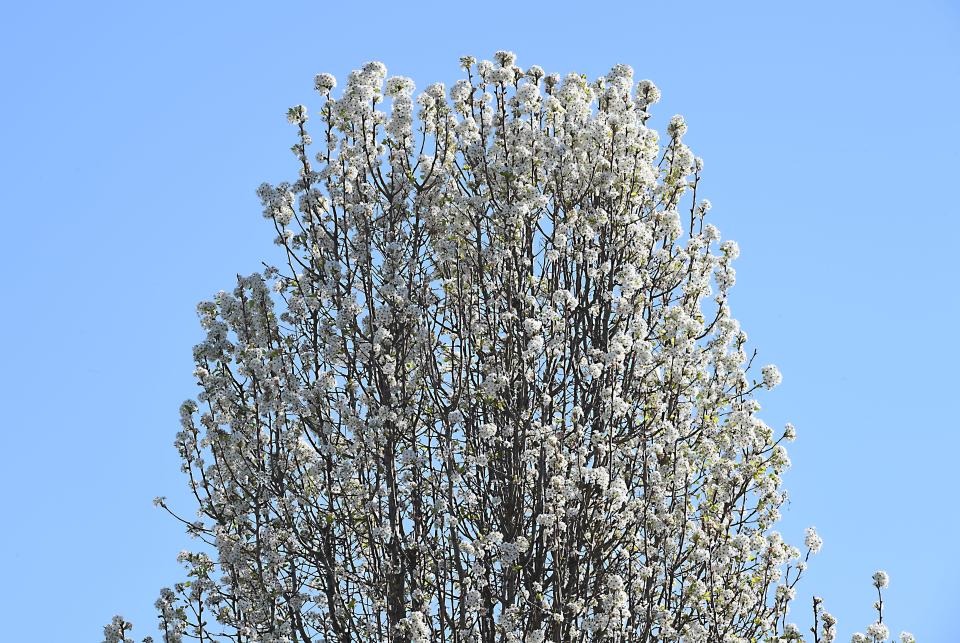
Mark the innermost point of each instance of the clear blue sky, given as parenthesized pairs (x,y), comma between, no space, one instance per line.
(135,133)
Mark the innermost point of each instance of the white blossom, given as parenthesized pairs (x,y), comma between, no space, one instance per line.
(771,376)
(878,632)
(325,83)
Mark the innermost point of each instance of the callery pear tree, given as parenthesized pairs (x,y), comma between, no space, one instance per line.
(493,391)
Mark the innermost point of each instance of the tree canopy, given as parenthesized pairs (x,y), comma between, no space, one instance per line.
(493,393)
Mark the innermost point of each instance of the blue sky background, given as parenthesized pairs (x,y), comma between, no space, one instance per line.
(135,133)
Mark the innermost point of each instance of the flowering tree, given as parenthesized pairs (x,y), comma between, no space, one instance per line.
(493,393)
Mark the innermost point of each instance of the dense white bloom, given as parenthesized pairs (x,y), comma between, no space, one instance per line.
(789,432)
(771,376)
(730,249)
(471,600)
(812,541)
(677,127)
(505,58)
(116,631)
(461,91)
(880,579)
(418,630)
(325,83)
(532,326)
(878,632)
(536,636)
(647,93)
(399,86)
(829,627)
(297,114)
(495,390)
